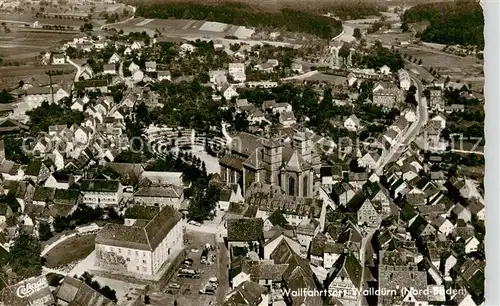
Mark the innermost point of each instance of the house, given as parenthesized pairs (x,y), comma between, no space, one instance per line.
(404,79)
(59,180)
(287,119)
(58,59)
(115,58)
(230,194)
(436,101)
(37,171)
(109,69)
(101,193)
(443,225)
(164,75)
(386,97)
(143,247)
(137,45)
(352,79)
(345,277)
(352,123)
(342,193)
(77,105)
(133,67)
(5,213)
(441,119)
(237,71)
(369,160)
(471,245)
(306,230)
(297,67)
(229,91)
(43,196)
(367,213)
(159,195)
(264,273)
(187,48)
(75,292)
(324,252)
(246,233)
(86,72)
(385,70)
(248,293)
(150,66)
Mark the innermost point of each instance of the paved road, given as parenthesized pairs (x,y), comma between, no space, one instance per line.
(362,258)
(78,68)
(422,117)
(123,21)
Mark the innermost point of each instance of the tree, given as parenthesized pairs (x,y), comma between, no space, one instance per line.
(25,256)
(357,33)
(5,97)
(60,224)
(147,300)
(44,231)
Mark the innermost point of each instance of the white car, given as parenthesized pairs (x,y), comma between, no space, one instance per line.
(192,222)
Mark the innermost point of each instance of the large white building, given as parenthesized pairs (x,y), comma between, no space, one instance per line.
(143,245)
(404,79)
(237,71)
(101,193)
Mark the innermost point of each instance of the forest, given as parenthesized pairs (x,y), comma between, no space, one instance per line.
(245,15)
(459,22)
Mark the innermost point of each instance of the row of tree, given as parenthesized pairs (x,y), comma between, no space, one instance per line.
(245,15)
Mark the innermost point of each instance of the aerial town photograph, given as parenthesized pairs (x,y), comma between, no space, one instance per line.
(242,152)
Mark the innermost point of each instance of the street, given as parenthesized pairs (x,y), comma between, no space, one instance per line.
(422,116)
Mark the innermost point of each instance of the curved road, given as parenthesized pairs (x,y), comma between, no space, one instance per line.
(123,21)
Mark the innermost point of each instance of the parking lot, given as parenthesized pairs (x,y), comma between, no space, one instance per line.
(185,290)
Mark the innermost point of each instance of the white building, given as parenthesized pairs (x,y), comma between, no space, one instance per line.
(143,246)
(101,193)
(404,79)
(237,71)
(159,195)
(58,59)
(352,123)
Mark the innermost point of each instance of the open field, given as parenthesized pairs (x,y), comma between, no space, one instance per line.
(11,75)
(69,251)
(446,64)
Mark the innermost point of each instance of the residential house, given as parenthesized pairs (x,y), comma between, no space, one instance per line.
(159,195)
(58,59)
(229,91)
(187,48)
(404,79)
(345,277)
(386,97)
(109,69)
(385,70)
(164,75)
(237,71)
(77,105)
(73,291)
(436,101)
(369,160)
(342,193)
(230,194)
(324,252)
(352,123)
(115,58)
(297,67)
(37,171)
(59,180)
(246,233)
(150,66)
(248,293)
(102,193)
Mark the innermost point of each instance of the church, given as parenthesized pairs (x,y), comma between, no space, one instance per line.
(286,161)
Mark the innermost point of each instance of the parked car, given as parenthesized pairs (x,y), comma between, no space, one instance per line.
(192,222)
(174,286)
(208,290)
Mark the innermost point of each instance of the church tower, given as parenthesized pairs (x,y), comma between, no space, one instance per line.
(303,145)
(272,154)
